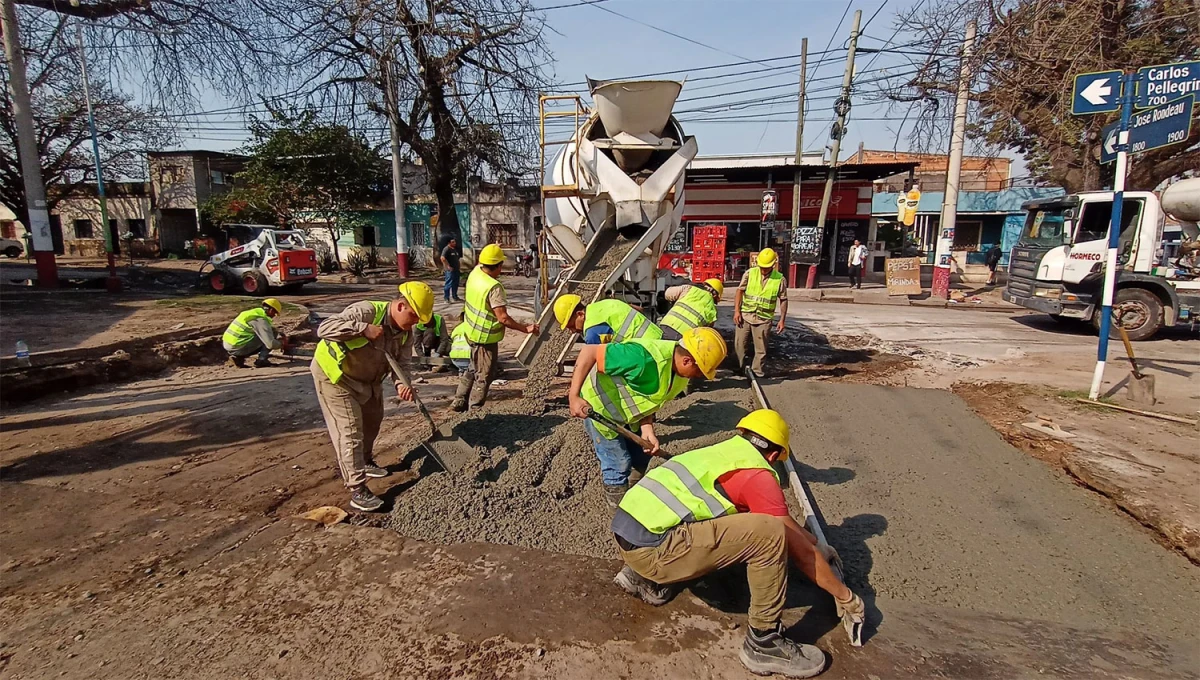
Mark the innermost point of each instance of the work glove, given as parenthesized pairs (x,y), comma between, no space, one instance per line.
(853,614)
(831,556)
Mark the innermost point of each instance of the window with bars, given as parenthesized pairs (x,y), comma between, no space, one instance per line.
(83,229)
(418,233)
(503,235)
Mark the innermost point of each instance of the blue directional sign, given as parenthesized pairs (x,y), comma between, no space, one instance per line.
(1096,92)
(1166,82)
(1168,124)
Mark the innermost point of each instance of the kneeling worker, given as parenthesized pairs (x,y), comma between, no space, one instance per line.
(627,383)
(754,304)
(460,349)
(718,506)
(253,333)
(348,368)
(695,306)
(433,337)
(604,321)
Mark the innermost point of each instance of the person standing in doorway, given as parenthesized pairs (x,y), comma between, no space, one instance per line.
(450,259)
(993,262)
(857,261)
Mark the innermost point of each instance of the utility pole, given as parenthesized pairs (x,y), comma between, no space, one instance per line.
(958,133)
(842,108)
(799,158)
(393,114)
(31,167)
(112,283)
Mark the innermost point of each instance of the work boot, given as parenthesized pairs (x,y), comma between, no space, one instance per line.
(239,362)
(374,471)
(361,498)
(262,363)
(767,652)
(613,493)
(459,405)
(642,588)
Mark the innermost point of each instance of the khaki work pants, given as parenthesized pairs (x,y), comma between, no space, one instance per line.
(751,331)
(693,550)
(484,361)
(353,427)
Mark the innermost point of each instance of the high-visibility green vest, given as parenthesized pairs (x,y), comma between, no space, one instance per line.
(437,325)
(459,347)
(694,308)
(684,489)
(627,323)
(616,400)
(760,297)
(240,332)
(483,328)
(331,354)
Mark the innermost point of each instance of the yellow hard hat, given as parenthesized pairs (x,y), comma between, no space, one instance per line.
(716,285)
(767,257)
(564,309)
(419,296)
(707,347)
(769,425)
(275,304)
(491,254)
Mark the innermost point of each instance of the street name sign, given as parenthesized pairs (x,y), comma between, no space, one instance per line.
(1166,82)
(1096,92)
(1168,124)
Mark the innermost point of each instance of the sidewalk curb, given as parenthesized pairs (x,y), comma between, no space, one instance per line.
(818,295)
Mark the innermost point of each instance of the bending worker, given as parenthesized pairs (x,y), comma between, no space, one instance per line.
(433,337)
(695,306)
(761,289)
(627,383)
(348,369)
(485,313)
(718,506)
(604,321)
(252,332)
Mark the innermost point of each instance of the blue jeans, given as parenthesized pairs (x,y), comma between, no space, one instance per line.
(450,284)
(617,456)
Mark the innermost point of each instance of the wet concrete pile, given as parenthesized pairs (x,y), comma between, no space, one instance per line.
(537,483)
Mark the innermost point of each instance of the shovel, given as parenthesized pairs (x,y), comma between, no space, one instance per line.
(627,433)
(1140,385)
(442,438)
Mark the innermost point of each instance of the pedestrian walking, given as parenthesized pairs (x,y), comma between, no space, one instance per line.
(993,262)
(450,264)
(761,290)
(857,261)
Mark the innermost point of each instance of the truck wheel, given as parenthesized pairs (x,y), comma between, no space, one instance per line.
(218,281)
(254,282)
(12,252)
(1138,311)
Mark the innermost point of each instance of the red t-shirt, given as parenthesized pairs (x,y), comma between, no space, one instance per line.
(754,490)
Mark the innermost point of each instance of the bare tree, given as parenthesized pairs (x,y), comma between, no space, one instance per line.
(1028,54)
(460,79)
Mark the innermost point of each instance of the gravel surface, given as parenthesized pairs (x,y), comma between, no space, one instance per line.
(925,502)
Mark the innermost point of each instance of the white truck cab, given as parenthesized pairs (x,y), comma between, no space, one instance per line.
(1057,265)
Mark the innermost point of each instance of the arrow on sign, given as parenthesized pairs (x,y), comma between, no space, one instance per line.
(1097,92)
(1110,143)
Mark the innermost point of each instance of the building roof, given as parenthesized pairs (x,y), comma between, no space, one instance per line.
(765,160)
(781,168)
(196,152)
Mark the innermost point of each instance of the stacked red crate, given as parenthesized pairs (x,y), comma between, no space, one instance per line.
(708,252)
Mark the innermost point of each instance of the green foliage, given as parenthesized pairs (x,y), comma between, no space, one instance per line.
(356,262)
(245,204)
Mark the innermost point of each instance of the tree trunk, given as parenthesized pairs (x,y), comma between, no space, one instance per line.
(448,226)
(333,238)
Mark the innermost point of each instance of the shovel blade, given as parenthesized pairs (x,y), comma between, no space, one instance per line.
(1140,390)
(450,452)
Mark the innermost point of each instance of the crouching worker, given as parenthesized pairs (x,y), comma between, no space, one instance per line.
(253,333)
(460,349)
(626,383)
(604,321)
(349,367)
(695,306)
(722,505)
(433,337)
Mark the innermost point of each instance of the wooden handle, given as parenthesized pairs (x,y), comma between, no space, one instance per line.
(1129,351)
(623,431)
(404,380)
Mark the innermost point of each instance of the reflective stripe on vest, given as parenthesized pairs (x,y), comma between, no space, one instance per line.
(240,332)
(694,308)
(330,354)
(760,297)
(437,325)
(483,328)
(627,323)
(684,489)
(613,398)
(459,347)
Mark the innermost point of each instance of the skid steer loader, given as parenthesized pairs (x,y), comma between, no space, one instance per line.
(264,257)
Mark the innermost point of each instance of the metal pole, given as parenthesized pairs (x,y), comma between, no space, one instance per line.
(1114,232)
(31,169)
(112,284)
(842,108)
(393,113)
(958,134)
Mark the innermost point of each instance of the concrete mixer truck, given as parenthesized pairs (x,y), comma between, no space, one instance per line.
(613,194)
(1057,265)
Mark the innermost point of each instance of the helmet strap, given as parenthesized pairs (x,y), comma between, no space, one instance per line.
(766,448)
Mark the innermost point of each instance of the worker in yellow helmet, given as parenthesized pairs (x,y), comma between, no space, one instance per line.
(695,306)
(762,289)
(626,383)
(722,505)
(348,368)
(485,313)
(253,333)
(604,321)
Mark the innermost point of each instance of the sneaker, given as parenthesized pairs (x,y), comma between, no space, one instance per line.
(262,363)
(642,588)
(613,493)
(239,362)
(459,405)
(374,471)
(361,498)
(764,654)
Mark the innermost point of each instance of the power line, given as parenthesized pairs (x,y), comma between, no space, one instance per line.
(674,35)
